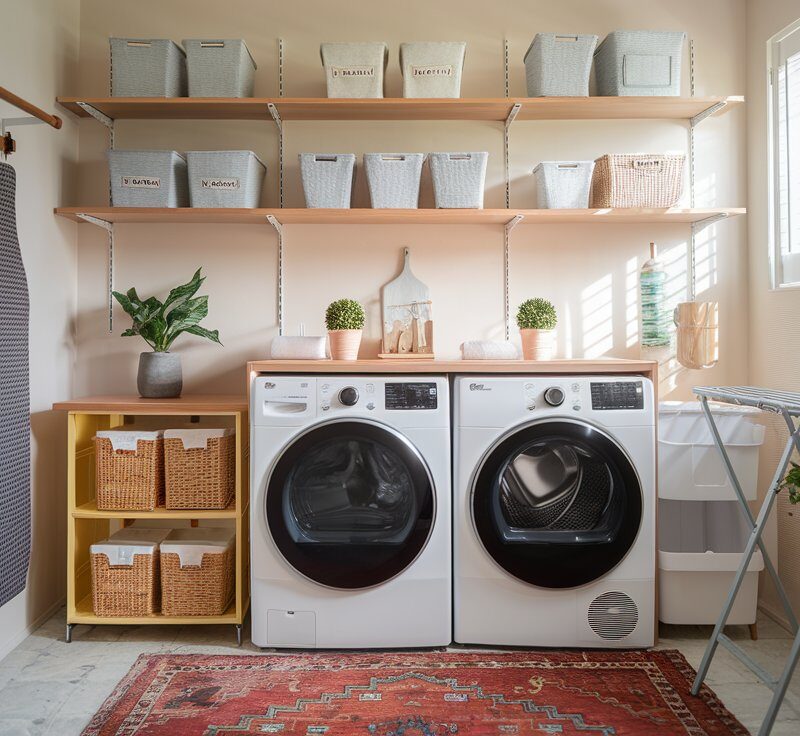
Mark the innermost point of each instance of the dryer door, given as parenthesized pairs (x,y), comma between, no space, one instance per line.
(557,503)
(350,504)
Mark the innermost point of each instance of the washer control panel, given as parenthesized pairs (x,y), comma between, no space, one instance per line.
(411,396)
(610,395)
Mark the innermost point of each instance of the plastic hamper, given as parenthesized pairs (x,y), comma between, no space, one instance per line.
(558,65)
(432,68)
(328,179)
(646,63)
(563,184)
(355,69)
(225,178)
(219,67)
(393,179)
(458,179)
(147,67)
(148,179)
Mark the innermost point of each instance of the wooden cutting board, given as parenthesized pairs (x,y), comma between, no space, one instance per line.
(406,289)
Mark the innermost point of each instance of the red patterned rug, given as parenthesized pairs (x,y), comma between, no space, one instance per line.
(532,692)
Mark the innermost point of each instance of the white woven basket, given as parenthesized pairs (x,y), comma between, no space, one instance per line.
(354,69)
(458,179)
(219,67)
(225,178)
(563,184)
(432,68)
(558,65)
(638,180)
(328,179)
(393,179)
(148,179)
(147,67)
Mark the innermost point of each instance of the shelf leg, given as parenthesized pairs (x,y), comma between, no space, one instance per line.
(238,635)
(68,634)
(753,631)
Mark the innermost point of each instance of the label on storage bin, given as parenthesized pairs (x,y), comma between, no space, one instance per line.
(217,183)
(436,70)
(141,182)
(352,71)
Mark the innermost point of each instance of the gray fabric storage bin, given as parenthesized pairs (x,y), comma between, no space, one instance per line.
(563,184)
(219,67)
(147,67)
(432,68)
(559,65)
(644,63)
(148,179)
(225,178)
(328,179)
(458,179)
(393,179)
(354,69)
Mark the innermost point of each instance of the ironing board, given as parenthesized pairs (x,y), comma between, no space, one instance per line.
(787,405)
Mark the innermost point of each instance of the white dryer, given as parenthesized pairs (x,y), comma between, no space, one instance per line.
(554,511)
(350,511)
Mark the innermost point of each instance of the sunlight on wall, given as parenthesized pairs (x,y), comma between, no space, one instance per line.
(631,302)
(597,317)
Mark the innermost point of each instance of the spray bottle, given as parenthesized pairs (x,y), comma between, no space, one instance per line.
(655,316)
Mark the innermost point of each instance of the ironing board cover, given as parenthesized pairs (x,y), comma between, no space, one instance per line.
(15,499)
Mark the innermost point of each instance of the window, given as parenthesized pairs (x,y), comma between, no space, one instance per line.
(784,70)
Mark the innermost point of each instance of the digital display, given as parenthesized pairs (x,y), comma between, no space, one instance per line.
(618,395)
(411,396)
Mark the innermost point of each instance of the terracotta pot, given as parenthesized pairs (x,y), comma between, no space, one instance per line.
(344,344)
(537,344)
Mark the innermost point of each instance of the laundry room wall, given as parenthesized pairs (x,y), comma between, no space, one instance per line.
(590,272)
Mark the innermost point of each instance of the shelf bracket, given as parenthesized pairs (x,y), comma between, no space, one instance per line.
(276,116)
(272,220)
(507,228)
(701,225)
(101,117)
(109,228)
(708,112)
(512,114)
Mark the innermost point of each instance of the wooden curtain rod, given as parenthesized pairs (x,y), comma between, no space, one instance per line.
(30,108)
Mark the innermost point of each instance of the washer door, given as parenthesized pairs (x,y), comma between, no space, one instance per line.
(557,504)
(350,504)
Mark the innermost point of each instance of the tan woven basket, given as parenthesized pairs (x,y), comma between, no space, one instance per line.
(125,590)
(637,180)
(197,590)
(129,479)
(200,478)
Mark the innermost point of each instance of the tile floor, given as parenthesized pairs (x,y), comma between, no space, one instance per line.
(50,687)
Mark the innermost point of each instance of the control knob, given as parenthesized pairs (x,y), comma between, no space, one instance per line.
(554,396)
(348,396)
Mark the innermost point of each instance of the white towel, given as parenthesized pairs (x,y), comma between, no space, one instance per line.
(128,440)
(299,348)
(196,438)
(489,350)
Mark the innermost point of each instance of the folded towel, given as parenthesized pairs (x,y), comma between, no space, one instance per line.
(489,350)
(196,438)
(128,439)
(299,348)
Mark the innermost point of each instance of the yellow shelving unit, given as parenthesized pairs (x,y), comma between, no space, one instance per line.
(86,524)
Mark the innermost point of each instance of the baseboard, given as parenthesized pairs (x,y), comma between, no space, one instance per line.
(778,617)
(12,643)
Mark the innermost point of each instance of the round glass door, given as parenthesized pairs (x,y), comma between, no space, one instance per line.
(557,504)
(350,504)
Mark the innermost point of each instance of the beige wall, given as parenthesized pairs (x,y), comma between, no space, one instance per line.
(773,319)
(38,56)
(589,272)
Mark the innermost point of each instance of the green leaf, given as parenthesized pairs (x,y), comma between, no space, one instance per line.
(125,303)
(212,335)
(185,291)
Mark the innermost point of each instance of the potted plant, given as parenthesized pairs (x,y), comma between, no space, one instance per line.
(344,319)
(536,319)
(792,483)
(158,324)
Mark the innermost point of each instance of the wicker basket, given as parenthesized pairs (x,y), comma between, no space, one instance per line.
(563,184)
(129,472)
(328,179)
(638,180)
(225,178)
(197,572)
(458,179)
(147,67)
(219,67)
(125,579)
(393,179)
(558,65)
(199,468)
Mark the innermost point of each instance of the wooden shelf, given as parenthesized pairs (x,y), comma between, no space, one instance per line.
(84,614)
(90,511)
(186,404)
(481,109)
(232,216)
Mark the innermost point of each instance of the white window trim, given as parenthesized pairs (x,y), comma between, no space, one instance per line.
(773,62)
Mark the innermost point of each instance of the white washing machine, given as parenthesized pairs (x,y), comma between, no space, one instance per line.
(554,511)
(350,511)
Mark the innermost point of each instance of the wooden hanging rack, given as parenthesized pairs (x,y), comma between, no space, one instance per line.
(35,115)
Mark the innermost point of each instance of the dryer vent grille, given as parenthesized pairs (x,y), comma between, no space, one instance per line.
(613,615)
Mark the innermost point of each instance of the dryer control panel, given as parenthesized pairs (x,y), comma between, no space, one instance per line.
(610,395)
(413,396)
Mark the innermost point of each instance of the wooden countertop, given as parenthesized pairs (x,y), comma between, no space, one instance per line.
(187,404)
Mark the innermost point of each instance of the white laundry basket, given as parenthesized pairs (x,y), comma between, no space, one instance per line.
(328,179)
(563,184)
(700,548)
(147,67)
(225,178)
(458,179)
(558,65)
(393,179)
(219,67)
(354,69)
(646,63)
(689,464)
(432,68)
(148,179)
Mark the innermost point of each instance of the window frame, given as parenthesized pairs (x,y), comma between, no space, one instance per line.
(774,51)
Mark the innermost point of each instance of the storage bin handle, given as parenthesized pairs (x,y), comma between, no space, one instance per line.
(212,44)
(566,38)
(399,157)
(459,156)
(143,44)
(567,166)
(326,158)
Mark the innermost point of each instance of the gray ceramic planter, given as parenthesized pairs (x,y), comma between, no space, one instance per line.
(160,376)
